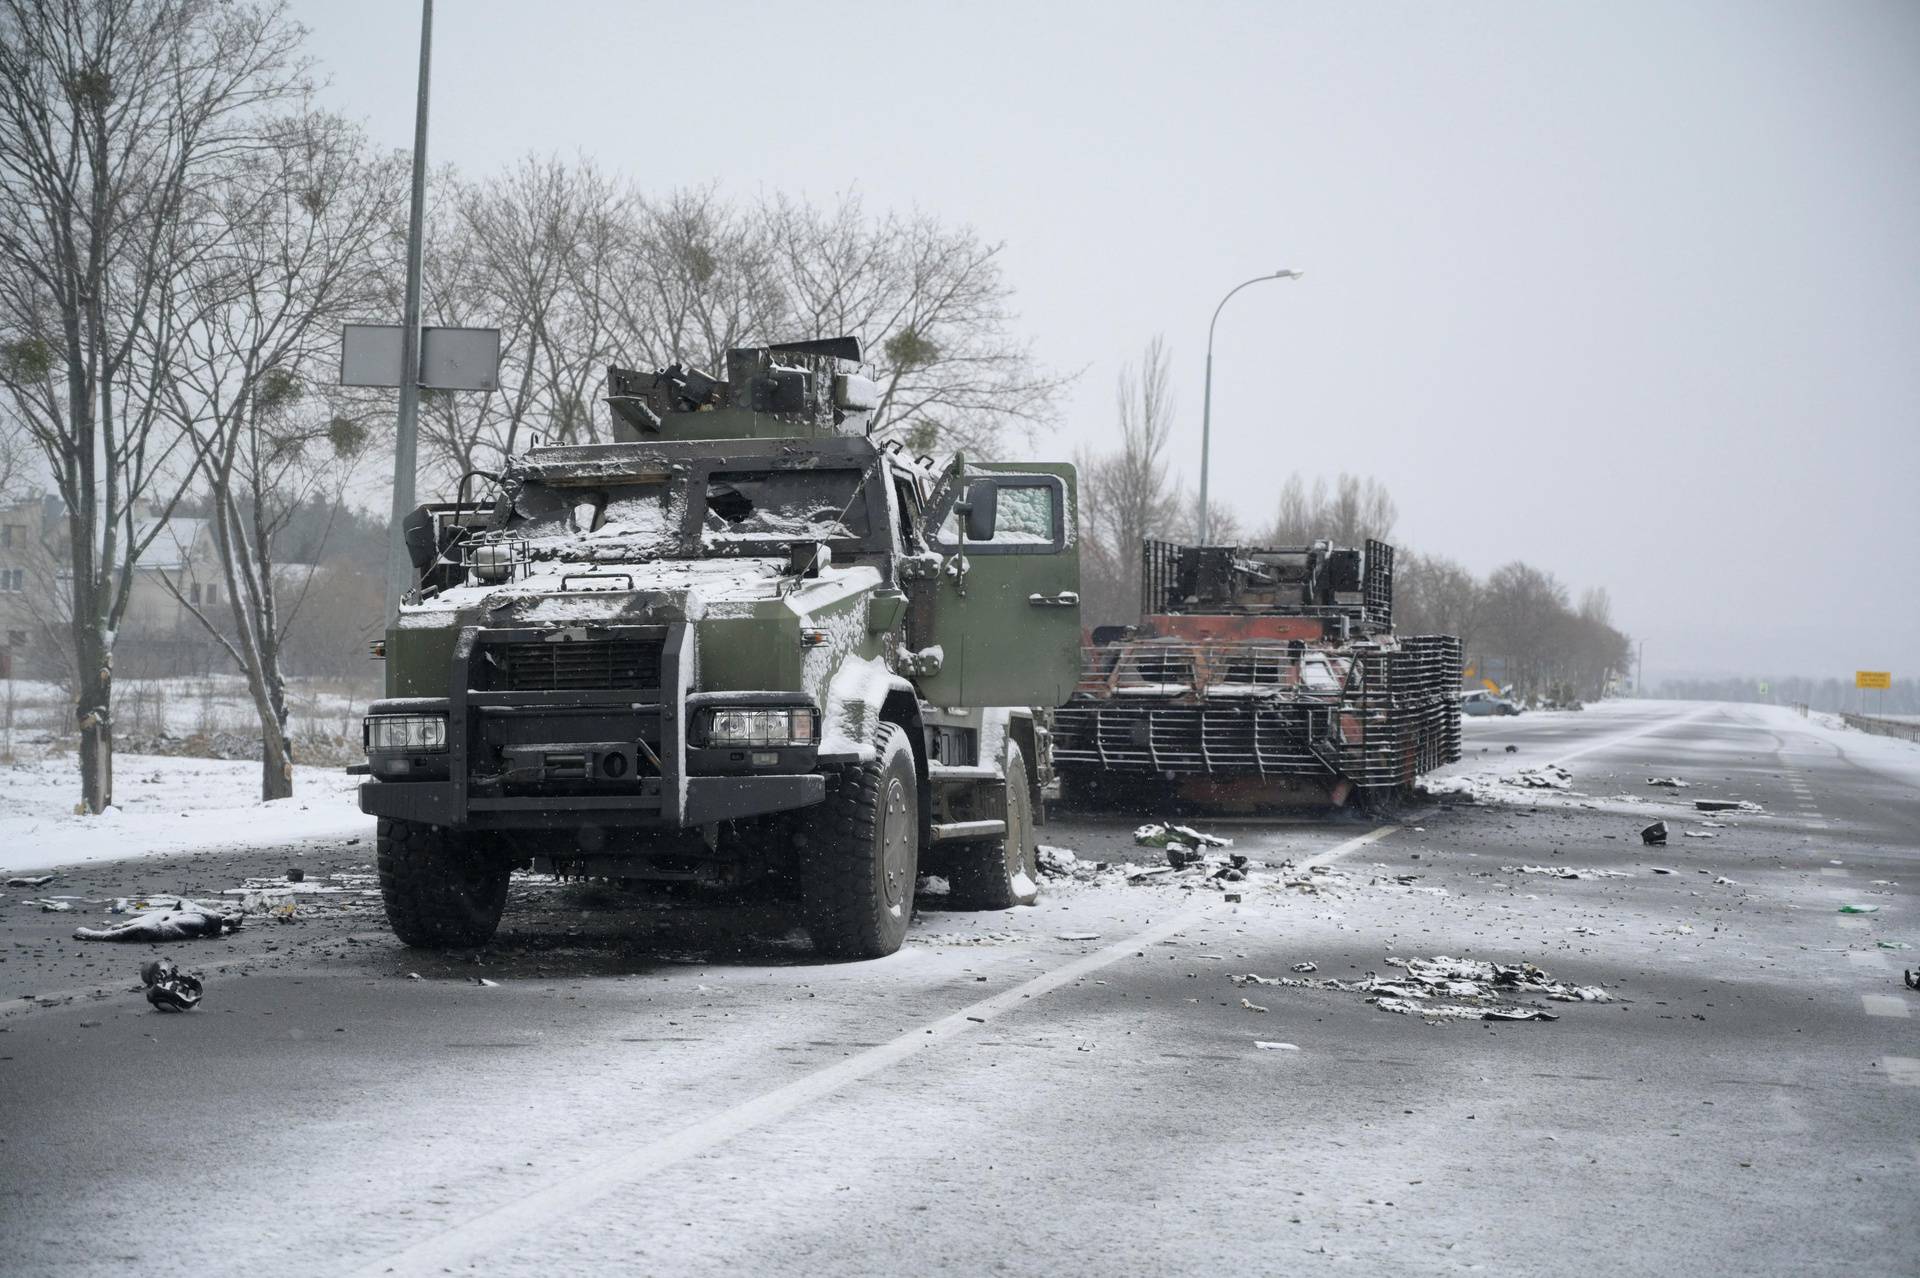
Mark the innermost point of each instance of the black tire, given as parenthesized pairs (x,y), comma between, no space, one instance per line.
(439,893)
(862,855)
(1000,873)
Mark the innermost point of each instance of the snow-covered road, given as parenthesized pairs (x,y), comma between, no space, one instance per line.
(1075,1088)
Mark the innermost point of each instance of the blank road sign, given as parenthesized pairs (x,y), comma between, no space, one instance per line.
(1873,678)
(450,358)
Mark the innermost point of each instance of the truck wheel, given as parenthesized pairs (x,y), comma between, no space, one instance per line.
(999,873)
(863,855)
(438,893)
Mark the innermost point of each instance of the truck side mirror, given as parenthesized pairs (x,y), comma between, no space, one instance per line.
(417,532)
(982,510)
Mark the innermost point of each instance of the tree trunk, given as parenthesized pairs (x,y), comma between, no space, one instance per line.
(95,677)
(276,762)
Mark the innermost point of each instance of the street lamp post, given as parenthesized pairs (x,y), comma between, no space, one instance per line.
(1206,412)
(405,447)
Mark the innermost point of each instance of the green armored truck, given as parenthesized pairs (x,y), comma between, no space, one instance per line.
(744,646)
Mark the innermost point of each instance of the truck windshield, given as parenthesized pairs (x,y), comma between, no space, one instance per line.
(781,505)
(743,510)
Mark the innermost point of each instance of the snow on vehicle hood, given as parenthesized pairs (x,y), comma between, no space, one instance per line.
(693,588)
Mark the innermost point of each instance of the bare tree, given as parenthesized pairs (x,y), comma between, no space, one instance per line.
(252,326)
(111,112)
(1352,510)
(933,310)
(1437,595)
(1130,494)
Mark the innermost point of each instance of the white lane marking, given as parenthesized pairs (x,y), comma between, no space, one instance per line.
(1607,743)
(1870,959)
(1887,1005)
(1351,845)
(1904,1070)
(507,1221)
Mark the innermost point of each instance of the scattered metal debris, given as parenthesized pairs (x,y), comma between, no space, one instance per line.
(1726,805)
(1161,836)
(1306,967)
(1654,835)
(31,880)
(1444,988)
(1671,783)
(168,988)
(1566,872)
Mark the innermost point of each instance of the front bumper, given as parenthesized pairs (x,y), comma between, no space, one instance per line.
(705,800)
(501,766)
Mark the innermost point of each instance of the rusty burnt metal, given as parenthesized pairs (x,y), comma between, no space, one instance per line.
(1261,677)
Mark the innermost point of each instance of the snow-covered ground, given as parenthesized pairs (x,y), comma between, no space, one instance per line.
(164,805)
(205,704)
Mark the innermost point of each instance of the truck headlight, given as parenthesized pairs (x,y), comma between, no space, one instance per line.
(406,733)
(757,726)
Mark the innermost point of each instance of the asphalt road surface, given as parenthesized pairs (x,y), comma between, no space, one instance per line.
(1076,1088)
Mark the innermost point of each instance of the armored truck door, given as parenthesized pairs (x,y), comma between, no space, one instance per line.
(1004,612)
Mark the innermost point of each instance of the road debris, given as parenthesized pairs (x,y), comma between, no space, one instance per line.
(1660,869)
(1912,978)
(168,988)
(1859,909)
(1265,1046)
(1654,835)
(1726,805)
(183,921)
(484,983)
(1566,872)
(1160,836)
(1077,936)
(1063,864)
(1513,749)
(1698,834)
(1671,783)
(1306,967)
(1444,988)
(31,880)
(1251,1006)
(50,904)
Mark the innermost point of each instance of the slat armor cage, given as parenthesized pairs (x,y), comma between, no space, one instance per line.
(1265,664)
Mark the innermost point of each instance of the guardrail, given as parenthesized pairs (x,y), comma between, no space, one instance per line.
(1883,727)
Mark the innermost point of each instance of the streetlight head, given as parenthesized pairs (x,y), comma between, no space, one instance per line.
(1288,275)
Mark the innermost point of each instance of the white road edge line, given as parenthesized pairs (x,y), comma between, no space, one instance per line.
(1607,743)
(1885,1005)
(509,1220)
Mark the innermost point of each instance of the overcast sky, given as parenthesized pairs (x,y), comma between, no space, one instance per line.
(1629,290)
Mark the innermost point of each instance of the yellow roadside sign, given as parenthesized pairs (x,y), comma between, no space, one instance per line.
(1873,678)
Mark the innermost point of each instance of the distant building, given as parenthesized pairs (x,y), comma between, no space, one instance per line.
(159,634)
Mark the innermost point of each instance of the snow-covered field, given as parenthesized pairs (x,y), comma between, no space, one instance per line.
(163,805)
(204,705)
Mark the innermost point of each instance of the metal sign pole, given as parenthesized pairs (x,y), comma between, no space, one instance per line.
(406,436)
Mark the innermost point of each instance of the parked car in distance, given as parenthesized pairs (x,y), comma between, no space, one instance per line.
(1482,702)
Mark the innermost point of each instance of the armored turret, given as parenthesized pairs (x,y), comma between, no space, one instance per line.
(794,390)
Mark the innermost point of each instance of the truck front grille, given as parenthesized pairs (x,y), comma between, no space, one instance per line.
(578,666)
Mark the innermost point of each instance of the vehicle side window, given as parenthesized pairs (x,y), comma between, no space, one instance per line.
(908,501)
(1030,518)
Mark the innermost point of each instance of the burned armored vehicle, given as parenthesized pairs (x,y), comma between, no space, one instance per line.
(1261,677)
(742,646)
